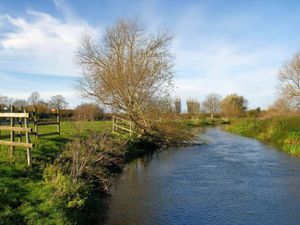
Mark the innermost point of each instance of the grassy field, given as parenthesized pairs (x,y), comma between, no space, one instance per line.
(282,131)
(23,197)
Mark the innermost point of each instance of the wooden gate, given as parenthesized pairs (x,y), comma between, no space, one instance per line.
(121,126)
(22,120)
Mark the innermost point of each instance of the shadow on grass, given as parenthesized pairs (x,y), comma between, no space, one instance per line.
(11,194)
(94,212)
(47,149)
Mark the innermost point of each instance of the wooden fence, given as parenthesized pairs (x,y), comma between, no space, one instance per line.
(121,126)
(16,125)
(38,123)
(22,128)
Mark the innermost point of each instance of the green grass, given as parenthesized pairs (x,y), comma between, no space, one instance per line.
(282,131)
(24,199)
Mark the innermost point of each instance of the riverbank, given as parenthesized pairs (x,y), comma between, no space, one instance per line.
(281,131)
(25,196)
(70,175)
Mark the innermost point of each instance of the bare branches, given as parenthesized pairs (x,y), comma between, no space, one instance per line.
(128,69)
(212,104)
(289,77)
(91,155)
(193,106)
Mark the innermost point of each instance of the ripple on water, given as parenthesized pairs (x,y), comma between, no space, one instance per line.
(230,180)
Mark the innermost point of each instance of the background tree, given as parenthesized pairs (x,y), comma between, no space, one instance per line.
(37,103)
(88,111)
(177,104)
(211,104)
(20,103)
(289,77)
(254,112)
(5,101)
(234,105)
(34,99)
(193,106)
(281,106)
(58,102)
(128,69)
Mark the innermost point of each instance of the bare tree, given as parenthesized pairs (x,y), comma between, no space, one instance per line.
(193,106)
(281,106)
(212,104)
(19,103)
(177,104)
(34,98)
(128,69)
(289,77)
(36,102)
(5,101)
(58,102)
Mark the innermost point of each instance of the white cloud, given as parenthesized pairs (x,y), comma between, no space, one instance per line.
(210,61)
(41,43)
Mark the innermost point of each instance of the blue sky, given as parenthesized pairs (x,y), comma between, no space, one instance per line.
(220,46)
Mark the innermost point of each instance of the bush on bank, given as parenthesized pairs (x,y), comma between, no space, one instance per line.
(71,174)
(283,131)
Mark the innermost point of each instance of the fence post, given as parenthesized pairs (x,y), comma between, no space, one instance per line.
(58,120)
(20,124)
(12,133)
(29,156)
(35,123)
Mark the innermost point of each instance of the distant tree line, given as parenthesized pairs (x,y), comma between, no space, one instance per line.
(231,106)
(84,111)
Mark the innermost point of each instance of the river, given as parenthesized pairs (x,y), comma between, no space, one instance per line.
(230,180)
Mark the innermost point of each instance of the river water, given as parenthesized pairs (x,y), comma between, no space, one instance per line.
(231,180)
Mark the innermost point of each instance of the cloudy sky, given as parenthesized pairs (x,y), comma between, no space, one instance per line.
(220,46)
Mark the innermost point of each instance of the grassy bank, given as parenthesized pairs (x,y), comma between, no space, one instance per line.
(56,190)
(25,197)
(71,173)
(282,131)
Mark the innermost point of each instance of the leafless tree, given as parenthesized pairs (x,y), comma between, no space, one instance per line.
(5,101)
(289,77)
(36,103)
(34,98)
(212,104)
(128,69)
(58,102)
(177,105)
(193,106)
(19,103)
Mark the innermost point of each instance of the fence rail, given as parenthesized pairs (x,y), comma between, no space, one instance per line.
(38,123)
(121,125)
(14,115)
(17,125)
(22,120)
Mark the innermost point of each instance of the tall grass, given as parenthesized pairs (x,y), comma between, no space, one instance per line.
(282,131)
